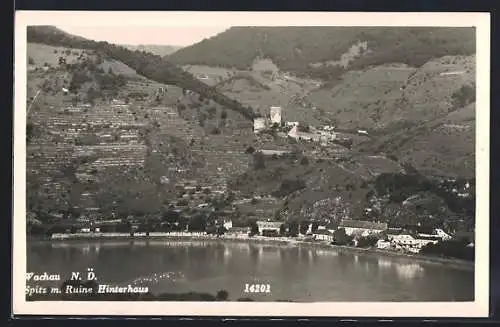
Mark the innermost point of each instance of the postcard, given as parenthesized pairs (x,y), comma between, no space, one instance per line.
(251,164)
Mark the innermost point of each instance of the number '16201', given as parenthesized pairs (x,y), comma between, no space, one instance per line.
(257,288)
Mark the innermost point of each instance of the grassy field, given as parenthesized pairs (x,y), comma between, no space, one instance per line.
(45,54)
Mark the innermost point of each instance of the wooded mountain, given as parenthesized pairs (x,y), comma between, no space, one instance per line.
(145,64)
(159,50)
(307,49)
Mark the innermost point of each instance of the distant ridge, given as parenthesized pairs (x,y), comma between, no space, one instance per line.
(159,50)
(305,50)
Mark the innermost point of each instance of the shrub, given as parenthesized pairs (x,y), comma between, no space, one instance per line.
(250,150)
(367,241)
(289,186)
(464,96)
(223,115)
(258,161)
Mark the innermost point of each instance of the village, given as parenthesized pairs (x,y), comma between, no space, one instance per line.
(353,233)
(114,138)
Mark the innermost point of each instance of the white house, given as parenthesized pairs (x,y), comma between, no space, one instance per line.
(403,240)
(294,133)
(410,243)
(228,224)
(362,132)
(421,241)
(239,230)
(292,123)
(323,235)
(442,234)
(275,113)
(382,244)
(362,228)
(269,226)
(259,124)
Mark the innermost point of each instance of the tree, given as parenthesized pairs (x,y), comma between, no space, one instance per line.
(250,150)
(223,115)
(293,228)
(254,229)
(222,295)
(197,223)
(282,230)
(303,227)
(303,127)
(367,241)
(211,112)
(91,95)
(31,61)
(341,238)
(258,161)
(201,119)
(289,186)
(221,230)
(314,226)
(463,96)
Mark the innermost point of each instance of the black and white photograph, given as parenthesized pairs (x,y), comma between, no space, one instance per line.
(206,159)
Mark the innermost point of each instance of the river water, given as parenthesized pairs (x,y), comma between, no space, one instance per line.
(296,273)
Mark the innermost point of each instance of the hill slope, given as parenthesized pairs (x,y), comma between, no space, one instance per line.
(312,49)
(159,50)
(146,64)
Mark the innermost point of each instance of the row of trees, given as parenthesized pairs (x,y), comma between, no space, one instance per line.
(450,249)
(401,186)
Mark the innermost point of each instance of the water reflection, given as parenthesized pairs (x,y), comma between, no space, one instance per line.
(384,263)
(296,272)
(409,271)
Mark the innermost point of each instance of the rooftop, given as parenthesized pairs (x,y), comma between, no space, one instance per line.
(322,232)
(363,224)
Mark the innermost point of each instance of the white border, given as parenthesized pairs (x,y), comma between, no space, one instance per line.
(478,308)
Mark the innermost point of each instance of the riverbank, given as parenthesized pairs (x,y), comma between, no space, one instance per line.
(185,236)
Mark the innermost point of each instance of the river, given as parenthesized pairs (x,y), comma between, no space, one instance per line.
(294,273)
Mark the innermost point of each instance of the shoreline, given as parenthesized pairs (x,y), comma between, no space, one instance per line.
(179,236)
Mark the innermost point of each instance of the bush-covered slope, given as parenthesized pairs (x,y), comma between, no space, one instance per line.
(146,64)
(159,50)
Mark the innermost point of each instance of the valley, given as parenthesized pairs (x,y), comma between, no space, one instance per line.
(169,143)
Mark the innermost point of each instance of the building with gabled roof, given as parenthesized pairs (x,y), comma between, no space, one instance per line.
(361,227)
(323,235)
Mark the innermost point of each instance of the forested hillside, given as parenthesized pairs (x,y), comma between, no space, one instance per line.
(159,50)
(308,50)
(145,64)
